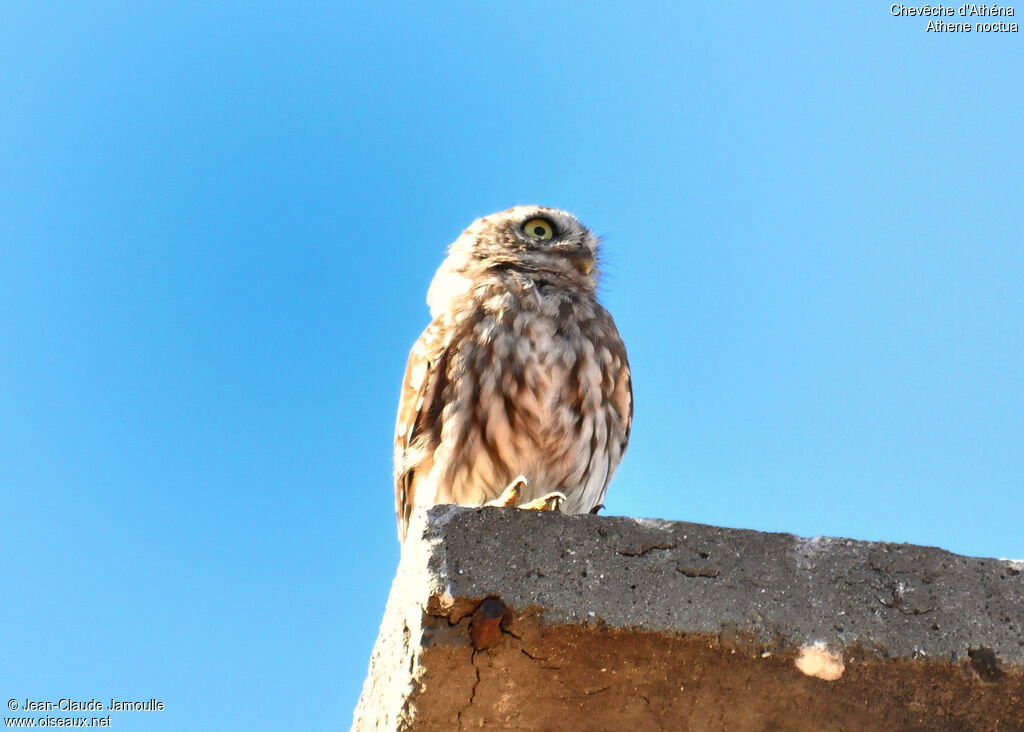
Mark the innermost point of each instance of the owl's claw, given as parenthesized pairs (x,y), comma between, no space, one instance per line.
(551,502)
(509,498)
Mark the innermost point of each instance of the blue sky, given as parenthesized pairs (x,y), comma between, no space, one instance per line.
(217,227)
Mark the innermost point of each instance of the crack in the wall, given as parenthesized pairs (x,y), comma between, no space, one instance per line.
(472,691)
(646,549)
(899,604)
(706,573)
(509,631)
(586,693)
(897,590)
(540,661)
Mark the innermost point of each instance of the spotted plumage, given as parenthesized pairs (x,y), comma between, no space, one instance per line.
(521,373)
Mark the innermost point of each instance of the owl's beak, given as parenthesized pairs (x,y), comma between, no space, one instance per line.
(584,262)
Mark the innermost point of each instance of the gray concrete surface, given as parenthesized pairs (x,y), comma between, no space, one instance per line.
(618,623)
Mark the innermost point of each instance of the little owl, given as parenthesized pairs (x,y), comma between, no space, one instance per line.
(518,393)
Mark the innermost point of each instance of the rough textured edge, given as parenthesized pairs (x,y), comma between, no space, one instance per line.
(459,556)
(418,582)
(838,591)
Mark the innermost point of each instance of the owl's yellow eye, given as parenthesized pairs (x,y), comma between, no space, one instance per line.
(539,228)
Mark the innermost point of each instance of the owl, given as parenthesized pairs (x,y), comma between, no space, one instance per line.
(518,393)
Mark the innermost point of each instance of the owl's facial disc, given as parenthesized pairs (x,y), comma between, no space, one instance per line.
(555,233)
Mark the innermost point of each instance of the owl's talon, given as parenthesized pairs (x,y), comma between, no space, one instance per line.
(550,502)
(509,497)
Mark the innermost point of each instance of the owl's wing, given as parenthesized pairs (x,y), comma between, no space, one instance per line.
(418,427)
(622,397)
(617,383)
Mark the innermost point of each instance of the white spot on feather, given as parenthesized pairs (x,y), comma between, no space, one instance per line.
(419,372)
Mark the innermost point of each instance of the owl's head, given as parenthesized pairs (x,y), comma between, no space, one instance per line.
(535,242)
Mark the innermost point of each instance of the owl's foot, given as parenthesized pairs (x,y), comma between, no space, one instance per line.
(550,502)
(510,498)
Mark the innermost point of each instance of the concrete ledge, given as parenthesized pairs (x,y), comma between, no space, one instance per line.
(517,620)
